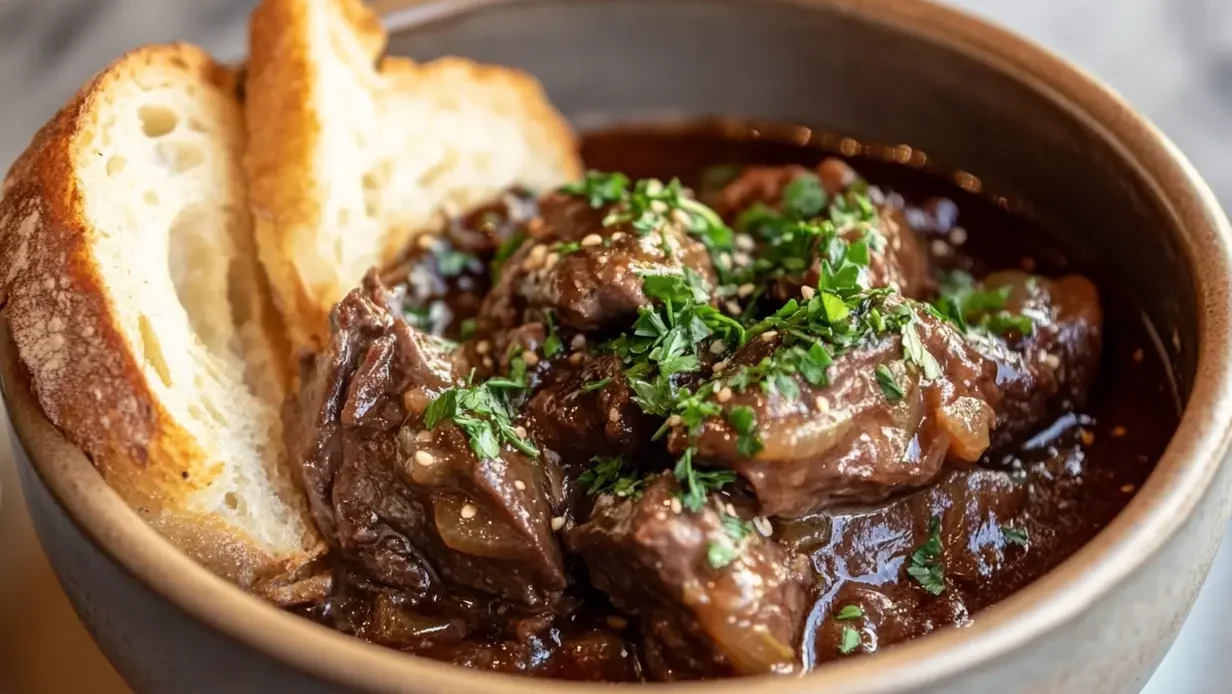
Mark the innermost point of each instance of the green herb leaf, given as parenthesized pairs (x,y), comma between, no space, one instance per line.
(503,252)
(744,421)
(914,351)
(889,386)
(591,386)
(467,328)
(695,485)
(721,554)
(926,567)
(551,344)
(849,640)
(445,406)
(566,247)
(850,612)
(804,197)
(600,188)
(1015,536)
(607,475)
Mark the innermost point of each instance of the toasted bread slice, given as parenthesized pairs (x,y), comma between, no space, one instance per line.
(350,156)
(130,285)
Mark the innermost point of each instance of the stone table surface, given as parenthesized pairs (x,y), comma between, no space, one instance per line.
(1171,58)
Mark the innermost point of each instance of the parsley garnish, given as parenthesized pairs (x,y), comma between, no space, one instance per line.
(850,612)
(720,554)
(744,421)
(849,640)
(551,344)
(503,252)
(695,485)
(804,197)
(967,306)
(889,386)
(567,247)
(914,351)
(926,567)
(1015,536)
(607,475)
(591,386)
(483,413)
(724,552)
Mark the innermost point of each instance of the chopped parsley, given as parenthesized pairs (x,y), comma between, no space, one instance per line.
(695,484)
(567,247)
(591,386)
(744,421)
(969,307)
(551,344)
(505,251)
(723,552)
(849,640)
(1015,536)
(926,566)
(467,328)
(850,612)
(889,386)
(804,197)
(915,352)
(483,413)
(608,475)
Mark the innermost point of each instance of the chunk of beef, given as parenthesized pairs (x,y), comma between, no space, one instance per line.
(441,279)
(587,273)
(862,558)
(850,440)
(701,614)
(1053,366)
(414,509)
(898,260)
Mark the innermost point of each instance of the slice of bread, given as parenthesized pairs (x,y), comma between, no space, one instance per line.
(128,272)
(352,155)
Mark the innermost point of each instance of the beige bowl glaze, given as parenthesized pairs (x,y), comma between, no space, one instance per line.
(971,95)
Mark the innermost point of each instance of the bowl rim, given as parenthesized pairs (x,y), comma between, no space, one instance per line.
(1180,480)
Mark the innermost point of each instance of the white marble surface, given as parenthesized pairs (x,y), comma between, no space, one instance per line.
(1171,58)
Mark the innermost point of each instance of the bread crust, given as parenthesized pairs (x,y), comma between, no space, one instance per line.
(65,325)
(286,194)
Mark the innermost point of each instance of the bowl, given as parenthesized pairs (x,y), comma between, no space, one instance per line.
(975,98)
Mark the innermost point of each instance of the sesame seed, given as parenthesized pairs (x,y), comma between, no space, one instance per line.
(741,258)
(729,508)
(551,261)
(482,347)
(732,307)
(424,458)
(1118,432)
(1128,488)
(769,335)
(674,420)
(763,526)
(530,357)
(468,511)
(535,258)
(724,394)
(613,415)
(681,217)
(676,507)
(1052,360)
(487,362)
(658,206)
(725,260)
(591,240)
(578,341)
(745,289)
(520,431)
(823,405)
(744,242)
(720,365)
(423,436)
(958,236)
(617,622)
(718,347)
(519,485)
(618,236)
(807,292)
(575,358)
(558,522)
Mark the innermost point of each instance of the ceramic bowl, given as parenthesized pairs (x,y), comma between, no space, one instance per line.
(975,98)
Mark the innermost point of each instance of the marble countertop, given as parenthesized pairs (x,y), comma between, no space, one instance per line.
(1171,58)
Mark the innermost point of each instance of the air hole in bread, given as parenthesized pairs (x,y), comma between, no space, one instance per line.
(151,198)
(180,155)
(231,500)
(197,260)
(116,164)
(152,350)
(157,120)
(343,218)
(373,181)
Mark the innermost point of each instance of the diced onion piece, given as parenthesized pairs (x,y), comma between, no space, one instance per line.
(967,420)
(472,529)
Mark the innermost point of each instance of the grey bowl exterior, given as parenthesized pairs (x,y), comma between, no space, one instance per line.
(973,98)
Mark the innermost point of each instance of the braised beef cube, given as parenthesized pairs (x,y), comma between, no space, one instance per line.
(896,256)
(1051,366)
(713,596)
(441,278)
(876,425)
(587,273)
(972,513)
(414,508)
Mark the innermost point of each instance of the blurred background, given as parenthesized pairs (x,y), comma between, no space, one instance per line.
(1171,58)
